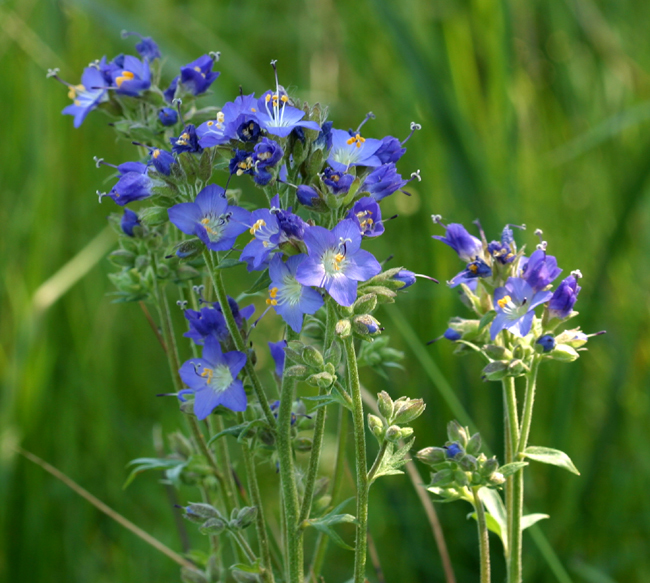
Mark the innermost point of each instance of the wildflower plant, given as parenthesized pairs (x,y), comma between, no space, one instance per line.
(519,323)
(185,225)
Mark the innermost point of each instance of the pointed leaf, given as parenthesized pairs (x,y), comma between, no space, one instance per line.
(324,524)
(529,519)
(548,455)
(261,283)
(509,469)
(144,463)
(490,521)
(393,460)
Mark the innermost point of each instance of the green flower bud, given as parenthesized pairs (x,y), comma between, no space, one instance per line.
(376,425)
(460,477)
(303,444)
(476,479)
(406,432)
(366,325)
(122,258)
(343,328)
(322,380)
(489,467)
(432,455)
(467,463)
(245,517)
(189,248)
(516,368)
(474,444)
(442,478)
(198,511)
(456,432)
(384,295)
(408,410)
(312,357)
(385,404)
(564,353)
(497,352)
(297,371)
(213,526)
(393,433)
(153,216)
(495,371)
(366,304)
(141,261)
(496,479)
(162,271)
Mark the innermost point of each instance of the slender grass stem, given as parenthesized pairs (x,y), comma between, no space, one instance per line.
(483,540)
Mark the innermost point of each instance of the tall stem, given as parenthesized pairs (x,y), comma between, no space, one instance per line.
(514,485)
(361,462)
(483,540)
(293,542)
(235,333)
(529,399)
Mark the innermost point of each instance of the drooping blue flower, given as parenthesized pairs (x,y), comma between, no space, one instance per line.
(197,76)
(86,96)
(133,184)
(452,335)
(290,298)
(337,181)
(211,218)
(336,261)
(367,215)
(406,277)
(129,220)
(186,142)
(162,161)
(132,77)
(547,342)
(231,123)
(170,92)
(382,182)
(564,298)
(268,153)
(474,270)
(213,379)
(210,321)
(279,118)
(146,48)
(515,305)
(390,151)
(352,151)
(539,269)
(278,355)
(168,116)
(306,195)
(467,246)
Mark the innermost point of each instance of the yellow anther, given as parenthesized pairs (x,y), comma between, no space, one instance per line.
(473,268)
(358,140)
(77,102)
(72,92)
(337,261)
(221,117)
(184,136)
(268,97)
(257,226)
(273,292)
(156,153)
(271,302)
(206,223)
(197,69)
(209,373)
(503,302)
(210,123)
(284,98)
(125,76)
(253,109)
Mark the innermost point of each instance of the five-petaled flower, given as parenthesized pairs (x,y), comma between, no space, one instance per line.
(515,305)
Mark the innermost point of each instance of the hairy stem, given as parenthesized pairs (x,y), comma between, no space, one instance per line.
(514,485)
(483,540)
(375,466)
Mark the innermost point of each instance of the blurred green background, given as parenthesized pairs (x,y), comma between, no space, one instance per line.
(532,112)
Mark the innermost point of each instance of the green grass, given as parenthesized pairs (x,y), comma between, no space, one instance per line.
(532,113)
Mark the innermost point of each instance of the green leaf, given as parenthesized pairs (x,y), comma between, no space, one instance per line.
(393,459)
(229,262)
(509,469)
(324,523)
(529,519)
(548,455)
(336,396)
(486,319)
(490,521)
(496,509)
(143,464)
(262,283)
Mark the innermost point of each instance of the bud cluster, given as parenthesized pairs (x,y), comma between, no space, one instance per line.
(393,414)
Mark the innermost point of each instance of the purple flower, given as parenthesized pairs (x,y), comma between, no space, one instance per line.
(336,262)
(452,335)
(306,195)
(132,76)
(170,92)
(186,142)
(564,298)
(162,161)
(337,181)
(290,298)
(383,182)
(133,184)
(197,76)
(391,150)
(213,379)
(515,305)
(266,232)
(453,450)
(367,215)
(267,153)
(471,273)
(210,321)
(278,355)
(324,139)
(467,246)
(352,151)
(547,342)
(232,122)
(146,48)
(129,220)
(540,269)
(168,116)
(406,277)
(86,96)
(279,118)
(211,218)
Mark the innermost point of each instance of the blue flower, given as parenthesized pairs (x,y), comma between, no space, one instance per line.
(146,48)
(337,181)
(129,220)
(467,246)
(231,123)
(132,77)
(352,151)
(170,92)
(210,321)
(268,153)
(213,379)
(324,139)
(564,298)
(452,335)
(539,270)
(547,342)
(265,229)
(168,116)
(211,218)
(336,262)
(162,161)
(287,295)
(186,142)
(515,305)
(367,215)
(133,184)
(383,181)
(406,277)
(86,96)
(279,118)
(197,76)
(453,450)
(278,355)
(306,195)
(469,275)
(391,150)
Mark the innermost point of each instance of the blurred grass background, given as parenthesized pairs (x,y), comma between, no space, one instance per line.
(534,113)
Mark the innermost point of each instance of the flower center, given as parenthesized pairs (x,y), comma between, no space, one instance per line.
(183,139)
(214,226)
(365,222)
(273,293)
(257,226)
(512,310)
(218,378)
(334,260)
(125,76)
(357,140)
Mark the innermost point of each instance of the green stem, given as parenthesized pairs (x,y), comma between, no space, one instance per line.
(377,462)
(235,333)
(205,450)
(243,544)
(228,483)
(514,485)
(361,462)
(529,399)
(483,541)
(293,542)
(256,499)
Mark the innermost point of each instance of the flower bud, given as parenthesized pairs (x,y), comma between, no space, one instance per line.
(298,371)
(408,410)
(517,368)
(474,444)
(495,371)
(303,444)
(460,477)
(366,325)
(245,517)
(307,194)
(333,354)
(122,258)
(393,433)
(343,328)
(467,463)
(154,216)
(366,304)
(456,432)
(312,357)
(376,425)
(406,432)
(497,352)
(564,353)
(442,478)
(213,526)
(198,512)
(546,343)
(189,248)
(432,455)
(454,450)
(496,479)
(322,380)
(385,404)
(489,467)
(168,116)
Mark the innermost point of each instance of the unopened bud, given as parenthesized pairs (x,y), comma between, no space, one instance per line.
(467,463)
(393,433)
(385,404)
(297,371)
(442,478)
(376,425)
(489,467)
(366,304)
(366,325)
(432,455)
(153,216)
(564,353)
(213,526)
(122,258)
(460,477)
(408,410)
(406,432)
(456,432)
(496,352)
(198,511)
(189,248)
(517,368)
(496,479)
(495,371)
(343,328)
(322,380)
(474,444)
(312,357)
(245,517)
